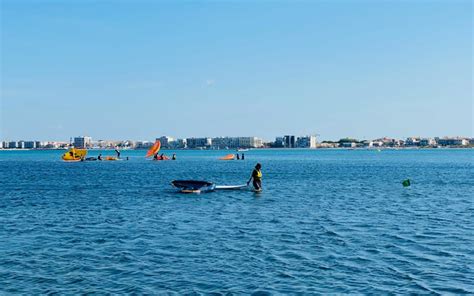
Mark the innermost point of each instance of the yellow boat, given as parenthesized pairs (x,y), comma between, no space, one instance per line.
(74,154)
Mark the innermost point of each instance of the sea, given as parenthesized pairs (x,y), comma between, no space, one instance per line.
(327,222)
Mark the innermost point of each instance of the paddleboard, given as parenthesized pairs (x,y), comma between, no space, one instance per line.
(230,187)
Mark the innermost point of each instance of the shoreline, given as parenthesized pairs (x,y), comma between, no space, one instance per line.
(250,149)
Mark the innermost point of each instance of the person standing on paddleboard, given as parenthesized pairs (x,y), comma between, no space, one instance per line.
(257,177)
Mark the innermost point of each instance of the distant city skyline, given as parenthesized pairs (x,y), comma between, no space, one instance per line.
(360,69)
(225,143)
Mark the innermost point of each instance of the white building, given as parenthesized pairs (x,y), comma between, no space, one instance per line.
(453,141)
(236,142)
(348,144)
(167,142)
(377,143)
(223,143)
(412,141)
(181,144)
(82,142)
(250,142)
(306,142)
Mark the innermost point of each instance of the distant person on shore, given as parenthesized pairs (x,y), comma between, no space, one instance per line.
(118,153)
(99,157)
(238,156)
(257,177)
(174,156)
(243,156)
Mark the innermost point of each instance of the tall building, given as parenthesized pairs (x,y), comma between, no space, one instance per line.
(222,143)
(30,145)
(193,143)
(236,142)
(250,142)
(279,142)
(181,144)
(289,141)
(306,142)
(82,142)
(167,142)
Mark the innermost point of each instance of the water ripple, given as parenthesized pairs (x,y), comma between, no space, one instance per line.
(328,222)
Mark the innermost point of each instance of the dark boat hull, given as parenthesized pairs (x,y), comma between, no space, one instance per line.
(193,186)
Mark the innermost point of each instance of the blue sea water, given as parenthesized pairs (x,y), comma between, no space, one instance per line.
(328,221)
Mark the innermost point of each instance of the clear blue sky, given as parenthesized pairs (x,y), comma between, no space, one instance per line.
(141,69)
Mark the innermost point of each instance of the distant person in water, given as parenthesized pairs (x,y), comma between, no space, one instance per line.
(155,157)
(99,157)
(118,153)
(174,156)
(243,156)
(238,156)
(257,177)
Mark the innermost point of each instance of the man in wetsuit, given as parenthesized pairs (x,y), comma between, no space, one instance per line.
(257,178)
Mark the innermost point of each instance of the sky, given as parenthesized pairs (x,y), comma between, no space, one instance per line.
(142,69)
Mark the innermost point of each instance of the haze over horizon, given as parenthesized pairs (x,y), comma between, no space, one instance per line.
(140,70)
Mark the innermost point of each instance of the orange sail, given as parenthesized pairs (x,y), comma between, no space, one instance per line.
(228,157)
(154,149)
